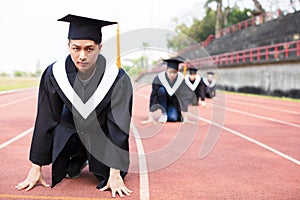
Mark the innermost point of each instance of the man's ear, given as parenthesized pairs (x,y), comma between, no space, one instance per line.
(100,47)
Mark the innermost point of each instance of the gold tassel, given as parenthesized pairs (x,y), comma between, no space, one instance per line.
(184,68)
(118,48)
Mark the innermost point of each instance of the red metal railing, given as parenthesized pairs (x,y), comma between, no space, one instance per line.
(259,19)
(270,53)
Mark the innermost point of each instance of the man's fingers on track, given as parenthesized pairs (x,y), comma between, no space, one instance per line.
(104,188)
(31,185)
(120,193)
(44,183)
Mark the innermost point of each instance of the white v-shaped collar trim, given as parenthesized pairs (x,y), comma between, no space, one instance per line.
(212,84)
(85,109)
(191,85)
(165,83)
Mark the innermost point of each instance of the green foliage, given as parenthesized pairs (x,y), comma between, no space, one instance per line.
(201,29)
(18,73)
(132,71)
(140,62)
(179,42)
(236,15)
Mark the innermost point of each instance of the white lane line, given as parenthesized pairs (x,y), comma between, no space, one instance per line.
(249,139)
(17,101)
(246,137)
(263,100)
(144,181)
(17,90)
(19,136)
(264,118)
(263,107)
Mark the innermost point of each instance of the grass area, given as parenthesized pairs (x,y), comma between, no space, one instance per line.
(7,83)
(265,96)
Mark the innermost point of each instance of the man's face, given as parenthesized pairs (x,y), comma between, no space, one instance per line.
(192,77)
(210,78)
(171,74)
(84,54)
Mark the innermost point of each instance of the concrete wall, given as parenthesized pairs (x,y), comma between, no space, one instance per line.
(279,79)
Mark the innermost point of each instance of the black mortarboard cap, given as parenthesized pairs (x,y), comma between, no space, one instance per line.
(193,70)
(83,28)
(173,62)
(210,73)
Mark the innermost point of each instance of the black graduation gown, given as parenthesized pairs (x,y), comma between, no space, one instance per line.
(178,94)
(196,87)
(209,88)
(102,120)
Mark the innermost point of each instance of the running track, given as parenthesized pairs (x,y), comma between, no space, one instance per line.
(242,147)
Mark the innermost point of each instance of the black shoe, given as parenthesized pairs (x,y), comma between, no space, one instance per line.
(75,167)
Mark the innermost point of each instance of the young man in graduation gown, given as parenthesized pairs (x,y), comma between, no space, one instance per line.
(170,94)
(209,85)
(195,84)
(84,113)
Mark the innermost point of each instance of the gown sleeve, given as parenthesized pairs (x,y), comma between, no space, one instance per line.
(154,103)
(48,114)
(118,123)
(202,90)
(184,97)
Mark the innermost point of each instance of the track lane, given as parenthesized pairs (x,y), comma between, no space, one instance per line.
(264,107)
(234,169)
(8,97)
(16,115)
(16,131)
(265,101)
(275,115)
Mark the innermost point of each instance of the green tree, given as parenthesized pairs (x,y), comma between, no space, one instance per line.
(222,13)
(199,31)
(219,20)
(236,15)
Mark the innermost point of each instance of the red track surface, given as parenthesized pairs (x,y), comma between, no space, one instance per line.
(256,157)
